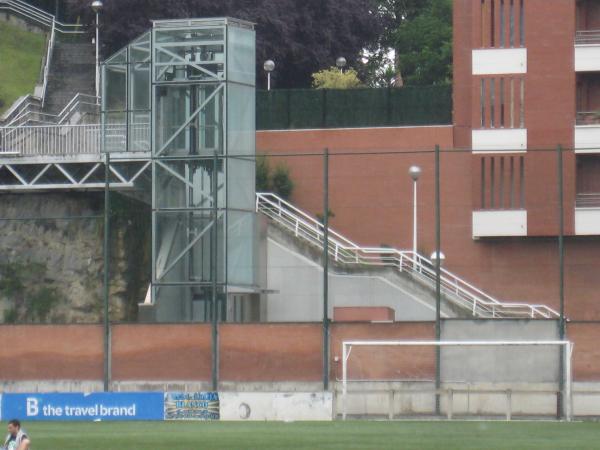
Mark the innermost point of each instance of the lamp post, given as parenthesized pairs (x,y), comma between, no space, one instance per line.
(341,63)
(414,172)
(434,257)
(97,7)
(269,67)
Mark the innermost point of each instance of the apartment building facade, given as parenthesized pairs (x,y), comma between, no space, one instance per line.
(526,84)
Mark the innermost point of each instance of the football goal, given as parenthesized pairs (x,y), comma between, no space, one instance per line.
(526,378)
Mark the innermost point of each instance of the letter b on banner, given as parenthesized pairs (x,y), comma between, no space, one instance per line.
(32,407)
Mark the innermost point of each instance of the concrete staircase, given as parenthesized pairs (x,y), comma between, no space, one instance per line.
(72,71)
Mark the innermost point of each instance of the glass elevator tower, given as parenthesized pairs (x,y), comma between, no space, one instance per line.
(184,93)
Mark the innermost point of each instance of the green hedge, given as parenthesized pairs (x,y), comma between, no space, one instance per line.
(284,109)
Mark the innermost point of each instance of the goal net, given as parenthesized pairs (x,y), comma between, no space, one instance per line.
(396,378)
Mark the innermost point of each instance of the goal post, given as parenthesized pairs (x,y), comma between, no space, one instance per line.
(565,346)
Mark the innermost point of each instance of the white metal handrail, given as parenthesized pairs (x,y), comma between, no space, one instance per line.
(73,139)
(29,111)
(50,140)
(40,16)
(344,251)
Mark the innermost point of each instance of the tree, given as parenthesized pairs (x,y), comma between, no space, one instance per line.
(424,45)
(300,36)
(333,78)
(407,28)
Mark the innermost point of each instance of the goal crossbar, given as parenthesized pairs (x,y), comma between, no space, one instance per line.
(567,349)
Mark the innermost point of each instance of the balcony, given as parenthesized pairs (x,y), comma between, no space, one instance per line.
(587,132)
(587,51)
(587,214)
(500,211)
(587,200)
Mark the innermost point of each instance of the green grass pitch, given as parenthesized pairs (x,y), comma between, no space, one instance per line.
(351,435)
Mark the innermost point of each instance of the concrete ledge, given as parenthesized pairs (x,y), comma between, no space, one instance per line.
(587,139)
(499,140)
(499,61)
(587,221)
(587,58)
(499,223)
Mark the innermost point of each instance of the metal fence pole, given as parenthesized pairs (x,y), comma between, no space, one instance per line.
(388,106)
(326,269)
(289,108)
(324,109)
(561,278)
(438,291)
(106,318)
(214,271)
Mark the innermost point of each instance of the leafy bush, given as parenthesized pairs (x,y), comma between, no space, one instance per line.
(333,78)
(277,180)
(282,182)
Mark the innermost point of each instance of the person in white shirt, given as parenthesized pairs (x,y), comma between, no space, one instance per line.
(17,438)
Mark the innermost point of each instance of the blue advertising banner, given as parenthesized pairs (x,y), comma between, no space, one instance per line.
(84,407)
(191,406)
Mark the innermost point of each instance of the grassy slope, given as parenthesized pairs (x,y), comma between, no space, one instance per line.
(21,54)
(316,436)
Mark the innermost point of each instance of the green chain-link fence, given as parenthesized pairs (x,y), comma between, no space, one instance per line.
(332,108)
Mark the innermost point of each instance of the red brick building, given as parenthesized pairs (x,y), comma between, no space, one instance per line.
(526,80)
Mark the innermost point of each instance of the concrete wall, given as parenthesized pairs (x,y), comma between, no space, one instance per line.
(500,364)
(276,406)
(295,283)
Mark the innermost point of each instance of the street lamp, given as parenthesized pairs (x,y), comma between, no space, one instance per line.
(341,63)
(97,7)
(269,67)
(414,172)
(434,257)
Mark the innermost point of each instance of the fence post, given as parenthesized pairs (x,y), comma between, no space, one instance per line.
(388,106)
(106,318)
(438,290)
(214,262)
(289,108)
(561,280)
(326,269)
(324,109)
